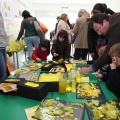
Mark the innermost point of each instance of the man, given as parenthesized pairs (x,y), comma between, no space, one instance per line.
(109,26)
(58,19)
(3,43)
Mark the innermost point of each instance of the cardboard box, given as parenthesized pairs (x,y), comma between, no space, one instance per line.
(38,92)
(52,85)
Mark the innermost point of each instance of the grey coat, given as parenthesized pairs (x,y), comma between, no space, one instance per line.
(3,37)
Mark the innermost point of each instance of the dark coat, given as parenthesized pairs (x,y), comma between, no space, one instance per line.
(113,83)
(62,49)
(113,36)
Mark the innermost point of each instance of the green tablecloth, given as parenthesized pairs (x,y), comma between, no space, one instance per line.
(13,107)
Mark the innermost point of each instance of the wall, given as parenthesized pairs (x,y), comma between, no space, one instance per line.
(46,11)
(11,11)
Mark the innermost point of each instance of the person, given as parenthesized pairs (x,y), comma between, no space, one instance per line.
(63,25)
(113,82)
(108,10)
(53,32)
(80,30)
(31,36)
(3,43)
(95,40)
(60,48)
(58,19)
(103,72)
(107,25)
(42,51)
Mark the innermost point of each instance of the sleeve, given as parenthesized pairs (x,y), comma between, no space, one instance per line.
(76,27)
(53,50)
(48,48)
(35,52)
(113,38)
(64,27)
(105,71)
(21,31)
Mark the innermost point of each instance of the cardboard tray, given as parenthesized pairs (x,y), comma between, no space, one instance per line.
(36,93)
(29,76)
(100,96)
(15,92)
(47,67)
(101,102)
(78,112)
(58,67)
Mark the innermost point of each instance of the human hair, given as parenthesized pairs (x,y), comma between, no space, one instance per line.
(63,16)
(62,34)
(101,50)
(115,50)
(108,10)
(26,14)
(58,17)
(98,18)
(98,8)
(46,44)
(81,12)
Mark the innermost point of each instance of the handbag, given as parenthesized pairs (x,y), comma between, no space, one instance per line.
(39,30)
(43,27)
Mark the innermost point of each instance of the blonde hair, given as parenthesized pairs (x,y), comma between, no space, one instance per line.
(63,16)
(82,11)
(101,50)
(115,50)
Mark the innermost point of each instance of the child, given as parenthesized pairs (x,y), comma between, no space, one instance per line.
(61,48)
(103,72)
(113,82)
(42,51)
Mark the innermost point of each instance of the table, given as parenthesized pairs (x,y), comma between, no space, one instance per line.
(16,53)
(12,107)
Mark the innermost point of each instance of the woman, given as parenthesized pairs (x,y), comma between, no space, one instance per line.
(63,25)
(31,35)
(80,30)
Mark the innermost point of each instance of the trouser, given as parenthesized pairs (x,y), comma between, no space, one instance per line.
(30,42)
(80,53)
(3,67)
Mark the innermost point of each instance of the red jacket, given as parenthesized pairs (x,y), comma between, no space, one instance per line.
(38,53)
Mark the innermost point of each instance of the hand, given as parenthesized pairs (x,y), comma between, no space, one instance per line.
(92,55)
(16,40)
(38,60)
(97,74)
(113,65)
(55,54)
(85,70)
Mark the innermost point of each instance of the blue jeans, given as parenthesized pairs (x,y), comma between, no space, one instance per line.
(31,42)
(3,66)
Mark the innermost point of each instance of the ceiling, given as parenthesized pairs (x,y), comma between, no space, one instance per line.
(54,8)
